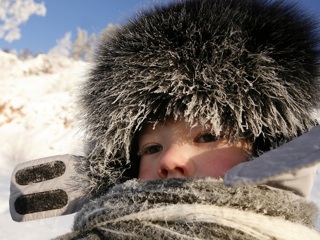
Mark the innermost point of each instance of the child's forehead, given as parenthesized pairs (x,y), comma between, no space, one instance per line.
(152,127)
(164,131)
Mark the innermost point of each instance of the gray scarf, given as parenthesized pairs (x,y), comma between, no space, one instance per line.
(194,209)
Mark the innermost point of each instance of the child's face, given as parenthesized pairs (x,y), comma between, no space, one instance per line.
(175,150)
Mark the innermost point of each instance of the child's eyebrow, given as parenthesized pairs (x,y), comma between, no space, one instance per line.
(197,129)
(147,135)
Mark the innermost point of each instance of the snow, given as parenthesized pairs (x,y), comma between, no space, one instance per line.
(37,110)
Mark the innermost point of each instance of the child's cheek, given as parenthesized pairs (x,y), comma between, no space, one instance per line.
(148,171)
(217,163)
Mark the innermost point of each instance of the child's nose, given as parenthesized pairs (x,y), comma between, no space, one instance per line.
(175,163)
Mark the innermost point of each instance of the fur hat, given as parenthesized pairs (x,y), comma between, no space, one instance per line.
(247,68)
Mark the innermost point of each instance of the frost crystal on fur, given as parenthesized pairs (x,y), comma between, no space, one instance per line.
(245,68)
(194,209)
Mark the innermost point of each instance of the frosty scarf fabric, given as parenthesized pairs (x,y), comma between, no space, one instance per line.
(194,209)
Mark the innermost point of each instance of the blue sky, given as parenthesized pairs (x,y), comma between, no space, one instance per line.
(40,34)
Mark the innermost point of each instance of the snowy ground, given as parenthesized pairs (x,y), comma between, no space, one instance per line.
(37,120)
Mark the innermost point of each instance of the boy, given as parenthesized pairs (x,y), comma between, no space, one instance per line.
(187,91)
(176,150)
(244,69)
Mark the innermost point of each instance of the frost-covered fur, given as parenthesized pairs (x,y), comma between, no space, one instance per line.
(245,68)
(195,209)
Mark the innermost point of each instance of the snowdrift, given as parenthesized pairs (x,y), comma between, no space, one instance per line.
(37,111)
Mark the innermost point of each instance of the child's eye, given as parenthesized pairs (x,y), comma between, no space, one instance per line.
(150,149)
(206,137)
